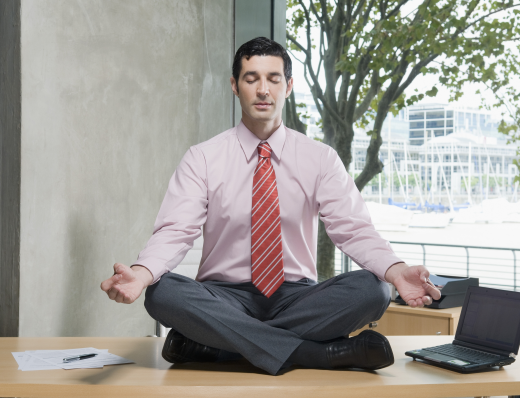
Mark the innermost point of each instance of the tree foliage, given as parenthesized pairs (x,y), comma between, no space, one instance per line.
(368,53)
(507,100)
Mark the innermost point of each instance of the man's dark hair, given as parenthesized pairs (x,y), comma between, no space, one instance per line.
(261,46)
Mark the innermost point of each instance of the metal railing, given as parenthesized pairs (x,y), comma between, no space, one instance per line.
(494,266)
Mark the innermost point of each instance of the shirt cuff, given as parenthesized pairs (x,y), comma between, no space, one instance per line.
(155,266)
(379,269)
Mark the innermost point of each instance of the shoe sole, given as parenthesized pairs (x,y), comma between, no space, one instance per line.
(387,345)
(170,340)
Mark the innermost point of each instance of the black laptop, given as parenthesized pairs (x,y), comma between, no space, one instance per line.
(488,333)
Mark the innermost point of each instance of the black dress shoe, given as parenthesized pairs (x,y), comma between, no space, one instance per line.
(368,350)
(180,349)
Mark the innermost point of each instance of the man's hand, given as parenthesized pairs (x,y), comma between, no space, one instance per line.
(127,284)
(413,284)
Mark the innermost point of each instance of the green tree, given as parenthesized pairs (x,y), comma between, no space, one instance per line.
(507,100)
(294,117)
(369,52)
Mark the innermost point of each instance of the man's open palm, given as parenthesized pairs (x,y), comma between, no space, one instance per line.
(413,287)
(124,286)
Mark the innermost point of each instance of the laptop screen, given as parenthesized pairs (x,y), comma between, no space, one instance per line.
(491,318)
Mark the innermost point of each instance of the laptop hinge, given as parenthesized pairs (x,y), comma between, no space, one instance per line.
(485,349)
(512,355)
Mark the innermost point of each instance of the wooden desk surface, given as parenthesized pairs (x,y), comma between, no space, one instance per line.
(152,376)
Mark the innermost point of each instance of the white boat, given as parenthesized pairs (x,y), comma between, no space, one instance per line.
(492,211)
(512,218)
(388,217)
(430,220)
(464,216)
(489,218)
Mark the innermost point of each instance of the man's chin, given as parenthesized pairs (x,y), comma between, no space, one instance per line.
(262,116)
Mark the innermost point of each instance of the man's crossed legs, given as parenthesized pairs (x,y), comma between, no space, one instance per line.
(237,318)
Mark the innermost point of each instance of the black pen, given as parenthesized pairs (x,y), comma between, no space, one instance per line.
(77,358)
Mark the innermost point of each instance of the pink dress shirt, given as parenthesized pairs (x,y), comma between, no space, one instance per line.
(212,188)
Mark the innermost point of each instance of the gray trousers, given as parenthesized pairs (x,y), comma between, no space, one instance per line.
(236,317)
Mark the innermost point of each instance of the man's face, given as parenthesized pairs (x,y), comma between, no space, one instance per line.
(262,88)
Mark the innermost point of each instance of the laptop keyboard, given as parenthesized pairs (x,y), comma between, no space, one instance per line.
(464,353)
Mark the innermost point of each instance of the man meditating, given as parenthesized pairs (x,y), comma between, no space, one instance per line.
(257,190)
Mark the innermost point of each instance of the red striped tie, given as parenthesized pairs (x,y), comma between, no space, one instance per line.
(266,233)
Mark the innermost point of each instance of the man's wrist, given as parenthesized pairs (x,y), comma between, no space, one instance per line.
(394,271)
(143,273)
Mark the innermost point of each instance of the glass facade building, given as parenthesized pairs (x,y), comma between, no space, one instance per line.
(435,120)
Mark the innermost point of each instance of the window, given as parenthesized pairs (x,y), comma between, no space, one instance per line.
(417,125)
(449,123)
(435,115)
(449,131)
(416,142)
(434,123)
(439,133)
(419,133)
(449,113)
(416,115)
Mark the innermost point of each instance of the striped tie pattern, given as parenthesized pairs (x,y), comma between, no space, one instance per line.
(266,232)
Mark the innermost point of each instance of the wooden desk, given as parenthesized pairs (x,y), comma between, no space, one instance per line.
(152,376)
(401,320)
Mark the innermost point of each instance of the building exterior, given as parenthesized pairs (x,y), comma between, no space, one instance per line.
(457,168)
(435,120)
(436,152)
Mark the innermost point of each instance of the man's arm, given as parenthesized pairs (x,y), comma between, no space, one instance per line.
(181,216)
(348,224)
(178,224)
(347,220)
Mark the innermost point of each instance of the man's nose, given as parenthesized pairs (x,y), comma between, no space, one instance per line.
(262,89)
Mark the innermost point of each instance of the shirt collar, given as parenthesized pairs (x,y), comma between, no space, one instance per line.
(249,141)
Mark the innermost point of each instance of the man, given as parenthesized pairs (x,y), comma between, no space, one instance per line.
(257,189)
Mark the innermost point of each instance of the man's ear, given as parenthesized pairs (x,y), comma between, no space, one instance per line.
(234,85)
(289,87)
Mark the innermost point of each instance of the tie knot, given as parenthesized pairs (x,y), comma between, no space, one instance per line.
(264,150)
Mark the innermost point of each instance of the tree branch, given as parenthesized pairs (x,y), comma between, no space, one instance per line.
(372,92)
(396,9)
(295,42)
(487,15)
(325,18)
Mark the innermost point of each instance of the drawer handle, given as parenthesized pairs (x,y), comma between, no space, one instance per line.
(438,333)
(372,325)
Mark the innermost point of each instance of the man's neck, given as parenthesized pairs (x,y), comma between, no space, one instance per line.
(262,129)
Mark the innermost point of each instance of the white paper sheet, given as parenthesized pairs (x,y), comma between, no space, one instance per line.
(53,359)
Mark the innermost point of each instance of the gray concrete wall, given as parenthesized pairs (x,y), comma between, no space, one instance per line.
(113,94)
